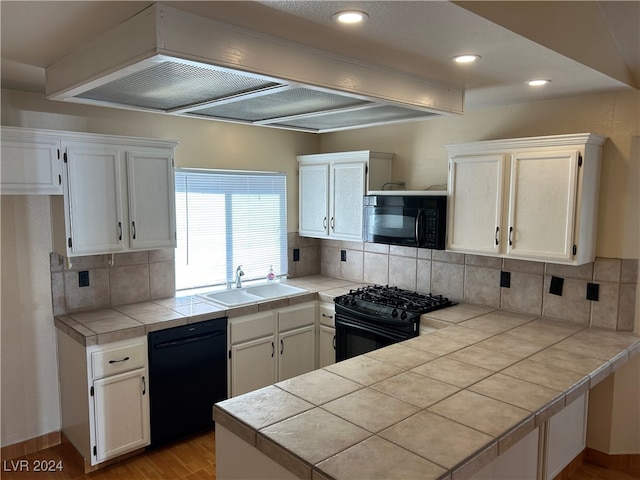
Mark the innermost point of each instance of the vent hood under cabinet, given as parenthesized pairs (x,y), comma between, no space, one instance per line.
(170,61)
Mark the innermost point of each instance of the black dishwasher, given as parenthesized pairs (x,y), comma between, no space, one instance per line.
(187,375)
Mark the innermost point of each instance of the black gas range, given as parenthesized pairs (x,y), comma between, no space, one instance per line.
(375,316)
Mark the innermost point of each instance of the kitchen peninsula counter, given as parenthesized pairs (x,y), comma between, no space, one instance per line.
(438,406)
(97,327)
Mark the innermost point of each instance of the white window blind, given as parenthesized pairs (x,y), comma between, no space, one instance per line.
(226,219)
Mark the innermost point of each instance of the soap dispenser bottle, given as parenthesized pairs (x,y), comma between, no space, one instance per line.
(271,277)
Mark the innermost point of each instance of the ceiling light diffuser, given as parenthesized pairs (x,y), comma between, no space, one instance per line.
(350,16)
(537,82)
(467,58)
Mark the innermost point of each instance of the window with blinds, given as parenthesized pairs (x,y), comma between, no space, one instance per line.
(229,218)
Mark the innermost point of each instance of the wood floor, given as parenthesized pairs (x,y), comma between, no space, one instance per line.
(192,459)
(591,471)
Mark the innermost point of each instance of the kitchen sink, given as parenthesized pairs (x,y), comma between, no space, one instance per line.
(274,290)
(232,298)
(254,294)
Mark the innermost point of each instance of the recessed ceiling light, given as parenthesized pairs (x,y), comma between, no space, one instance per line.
(467,58)
(350,17)
(537,82)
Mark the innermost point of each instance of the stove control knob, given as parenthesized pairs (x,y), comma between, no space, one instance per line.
(394,313)
(403,316)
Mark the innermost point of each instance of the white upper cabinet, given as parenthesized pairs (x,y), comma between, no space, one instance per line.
(331,189)
(476,185)
(150,182)
(94,212)
(314,200)
(118,195)
(531,198)
(31,163)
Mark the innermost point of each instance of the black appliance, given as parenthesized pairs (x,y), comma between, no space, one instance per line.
(187,375)
(376,316)
(409,220)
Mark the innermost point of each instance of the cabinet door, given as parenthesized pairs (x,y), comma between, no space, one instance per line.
(297,352)
(314,200)
(476,186)
(121,411)
(327,346)
(566,436)
(520,461)
(94,209)
(542,204)
(253,365)
(30,165)
(348,182)
(151,199)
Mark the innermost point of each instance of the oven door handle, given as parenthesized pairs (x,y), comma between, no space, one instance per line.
(376,330)
(364,316)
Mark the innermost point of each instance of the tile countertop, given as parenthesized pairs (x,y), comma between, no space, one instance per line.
(438,406)
(128,321)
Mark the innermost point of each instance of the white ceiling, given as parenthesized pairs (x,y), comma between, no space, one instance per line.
(582,47)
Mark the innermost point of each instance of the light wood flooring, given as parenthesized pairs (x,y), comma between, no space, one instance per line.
(194,459)
(191,459)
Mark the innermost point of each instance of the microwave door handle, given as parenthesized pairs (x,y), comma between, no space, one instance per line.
(418,225)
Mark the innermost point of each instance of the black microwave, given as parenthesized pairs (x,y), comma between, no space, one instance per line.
(409,220)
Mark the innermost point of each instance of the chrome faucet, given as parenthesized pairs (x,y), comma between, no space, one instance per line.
(239,274)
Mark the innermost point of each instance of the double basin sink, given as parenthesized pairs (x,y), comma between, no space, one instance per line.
(253,294)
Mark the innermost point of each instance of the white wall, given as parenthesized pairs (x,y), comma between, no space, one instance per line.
(30,398)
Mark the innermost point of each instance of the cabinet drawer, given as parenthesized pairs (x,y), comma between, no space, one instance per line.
(110,361)
(327,314)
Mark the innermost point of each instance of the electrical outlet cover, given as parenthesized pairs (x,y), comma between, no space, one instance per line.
(593,290)
(343,255)
(83,278)
(296,254)
(505,279)
(556,286)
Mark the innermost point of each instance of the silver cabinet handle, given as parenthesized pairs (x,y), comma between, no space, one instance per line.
(497,230)
(333,224)
(324,223)
(510,235)
(133,229)
(119,230)
(281,347)
(144,385)
(273,349)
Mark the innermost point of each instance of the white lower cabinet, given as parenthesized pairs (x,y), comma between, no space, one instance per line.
(104,397)
(326,335)
(271,346)
(518,462)
(121,414)
(566,435)
(544,452)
